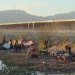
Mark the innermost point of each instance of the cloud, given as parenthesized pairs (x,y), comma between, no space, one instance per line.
(30,6)
(35,8)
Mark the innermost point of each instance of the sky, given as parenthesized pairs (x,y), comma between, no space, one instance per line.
(39,7)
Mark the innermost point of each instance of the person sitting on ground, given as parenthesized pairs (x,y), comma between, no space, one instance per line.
(29,51)
(34,53)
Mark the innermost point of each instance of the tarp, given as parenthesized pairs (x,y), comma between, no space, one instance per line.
(6,45)
(66,55)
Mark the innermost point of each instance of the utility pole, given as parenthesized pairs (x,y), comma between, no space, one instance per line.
(28,25)
(33,24)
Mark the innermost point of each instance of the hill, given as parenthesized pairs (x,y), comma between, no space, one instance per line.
(11,16)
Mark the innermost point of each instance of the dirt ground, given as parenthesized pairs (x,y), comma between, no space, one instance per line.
(42,63)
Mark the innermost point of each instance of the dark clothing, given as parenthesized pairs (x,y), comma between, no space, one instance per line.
(16,46)
(68,49)
(11,46)
(19,48)
(46,44)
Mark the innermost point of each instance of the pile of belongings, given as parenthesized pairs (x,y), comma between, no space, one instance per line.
(62,55)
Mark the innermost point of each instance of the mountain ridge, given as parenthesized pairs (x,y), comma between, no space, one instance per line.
(12,16)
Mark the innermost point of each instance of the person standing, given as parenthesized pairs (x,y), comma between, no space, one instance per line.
(69,49)
(66,48)
(46,44)
(16,46)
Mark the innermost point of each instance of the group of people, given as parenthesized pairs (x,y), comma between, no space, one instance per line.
(29,46)
(17,46)
(12,45)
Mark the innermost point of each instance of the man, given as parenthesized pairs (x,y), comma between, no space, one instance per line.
(68,48)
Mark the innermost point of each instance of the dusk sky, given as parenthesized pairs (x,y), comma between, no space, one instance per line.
(39,7)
